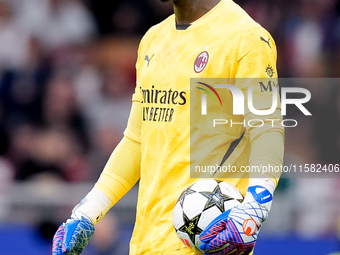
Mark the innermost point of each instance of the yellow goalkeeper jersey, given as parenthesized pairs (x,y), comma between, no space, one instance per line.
(224,43)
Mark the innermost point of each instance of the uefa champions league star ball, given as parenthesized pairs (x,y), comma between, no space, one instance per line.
(200,204)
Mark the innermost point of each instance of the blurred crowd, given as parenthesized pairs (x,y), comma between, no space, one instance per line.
(67,75)
(63,104)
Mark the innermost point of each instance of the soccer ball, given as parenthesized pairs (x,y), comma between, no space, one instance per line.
(200,204)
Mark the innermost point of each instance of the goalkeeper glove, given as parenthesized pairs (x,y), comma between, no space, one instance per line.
(73,236)
(236,230)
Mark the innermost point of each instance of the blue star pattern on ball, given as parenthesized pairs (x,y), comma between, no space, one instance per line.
(72,237)
(216,198)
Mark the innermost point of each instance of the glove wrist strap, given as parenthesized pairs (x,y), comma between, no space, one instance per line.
(93,206)
(261,191)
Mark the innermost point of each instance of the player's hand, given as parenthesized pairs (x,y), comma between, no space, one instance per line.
(235,231)
(72,237)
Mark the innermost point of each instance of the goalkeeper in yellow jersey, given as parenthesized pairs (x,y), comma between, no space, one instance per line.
(202,39)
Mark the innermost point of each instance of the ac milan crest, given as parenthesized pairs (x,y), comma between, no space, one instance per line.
(201,62)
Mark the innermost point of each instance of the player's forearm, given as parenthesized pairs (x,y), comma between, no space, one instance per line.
(118,177)
(267,153)
(123,167)
(122,170)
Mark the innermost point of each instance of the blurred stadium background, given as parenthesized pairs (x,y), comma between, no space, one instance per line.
(66,79)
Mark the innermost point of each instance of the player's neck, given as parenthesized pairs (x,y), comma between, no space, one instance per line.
(187,11)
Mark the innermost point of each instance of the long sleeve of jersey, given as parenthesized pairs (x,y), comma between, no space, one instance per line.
(256,69)
(122,170)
